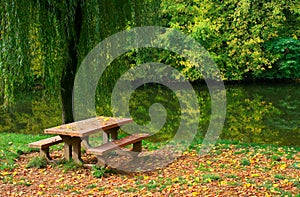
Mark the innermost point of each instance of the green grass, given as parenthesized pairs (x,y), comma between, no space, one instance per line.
(98,172)
(210,177)
(91,186)
(233,176)
(296,165)
(245,162)
(37,162)
(69,165)
(152,185)
(12,145)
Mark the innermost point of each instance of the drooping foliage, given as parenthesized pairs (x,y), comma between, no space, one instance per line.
(12,48)
(40,39)
(31,48)
(42,42)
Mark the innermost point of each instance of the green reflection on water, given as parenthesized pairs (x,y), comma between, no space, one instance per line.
(255,113)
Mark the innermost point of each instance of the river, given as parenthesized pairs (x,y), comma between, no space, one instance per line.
(256,113)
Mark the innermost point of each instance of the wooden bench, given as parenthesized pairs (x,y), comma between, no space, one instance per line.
(44,145)
(135,139)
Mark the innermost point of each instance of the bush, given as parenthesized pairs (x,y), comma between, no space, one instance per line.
(286,52)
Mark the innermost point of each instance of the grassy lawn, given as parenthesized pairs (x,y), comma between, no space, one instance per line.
(12,145)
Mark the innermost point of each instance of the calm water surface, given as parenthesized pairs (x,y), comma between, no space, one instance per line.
(268,114)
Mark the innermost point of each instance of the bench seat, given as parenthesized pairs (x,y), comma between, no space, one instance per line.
(44,145)
(135,139)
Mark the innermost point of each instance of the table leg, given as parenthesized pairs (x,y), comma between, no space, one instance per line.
(105,137)
(72,148)
(114,134)
(67,150)
(76,150)
(85,143)
(110,134)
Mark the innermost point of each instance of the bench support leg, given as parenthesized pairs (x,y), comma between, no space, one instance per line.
(137,147)
(101,161)
(44,153)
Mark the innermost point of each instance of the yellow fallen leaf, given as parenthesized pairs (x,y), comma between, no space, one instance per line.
(41,185)
(275,192)
(283,166)
(205,189)
(275,185)
(254,175)
(197,179)
(267,194)
(59,180)
(175,179)
(5,173)
(247,185)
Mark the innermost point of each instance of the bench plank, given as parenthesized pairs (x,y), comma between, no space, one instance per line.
(44,145)
(110,146)
(46,142)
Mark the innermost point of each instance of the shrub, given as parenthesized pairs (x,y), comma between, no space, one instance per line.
(286,54)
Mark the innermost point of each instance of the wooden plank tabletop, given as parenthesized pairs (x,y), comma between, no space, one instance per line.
(89,126)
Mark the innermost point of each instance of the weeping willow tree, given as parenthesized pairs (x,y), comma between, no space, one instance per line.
(43,42)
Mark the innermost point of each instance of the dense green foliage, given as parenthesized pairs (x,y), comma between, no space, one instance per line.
(235,32)
(287,53)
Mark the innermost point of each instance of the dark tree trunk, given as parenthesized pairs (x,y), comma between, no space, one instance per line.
(73,30)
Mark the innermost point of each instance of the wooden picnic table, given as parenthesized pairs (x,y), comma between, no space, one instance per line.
(74,133)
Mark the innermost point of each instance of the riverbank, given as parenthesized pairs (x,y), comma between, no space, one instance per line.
(228,169)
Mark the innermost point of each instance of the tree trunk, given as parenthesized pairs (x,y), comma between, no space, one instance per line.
(73,30)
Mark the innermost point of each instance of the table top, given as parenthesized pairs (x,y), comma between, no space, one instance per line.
(89,126)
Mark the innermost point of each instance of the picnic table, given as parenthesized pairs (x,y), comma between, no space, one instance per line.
(73,134)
